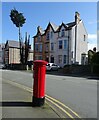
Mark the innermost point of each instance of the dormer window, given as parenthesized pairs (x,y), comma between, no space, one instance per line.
(47,36)
(51,34)
(39,38)
(62,33)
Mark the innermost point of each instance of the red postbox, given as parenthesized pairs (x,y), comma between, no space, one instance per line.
(39,71)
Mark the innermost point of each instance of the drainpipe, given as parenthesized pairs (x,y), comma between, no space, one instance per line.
(68,47)
(75,43)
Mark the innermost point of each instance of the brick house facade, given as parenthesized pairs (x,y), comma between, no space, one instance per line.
(64,44)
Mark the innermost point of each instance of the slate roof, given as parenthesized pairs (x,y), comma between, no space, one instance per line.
(12,43)
(54,26)
(71,24)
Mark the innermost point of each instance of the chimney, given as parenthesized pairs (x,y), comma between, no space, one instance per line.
(77,17)
(38,28)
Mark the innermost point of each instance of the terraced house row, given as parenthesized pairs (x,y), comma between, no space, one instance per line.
(65,44)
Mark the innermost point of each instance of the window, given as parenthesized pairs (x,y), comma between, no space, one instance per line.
(62,33)
(36,57)
(40,48)
(60,44)
(51,34)
(40,57)
(39,38)
(64,59)
(58,34)
(52,59)
(36,47)
(47,36)
(65,44)
(84,37)
(52,46)
(46,47)
(60,58)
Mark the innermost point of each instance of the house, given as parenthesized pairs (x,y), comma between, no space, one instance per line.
(12,52)
(65,44)
(2,53)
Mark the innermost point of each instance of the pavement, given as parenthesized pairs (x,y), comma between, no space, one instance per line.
(17,103)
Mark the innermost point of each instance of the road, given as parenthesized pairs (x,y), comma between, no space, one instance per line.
(78,93)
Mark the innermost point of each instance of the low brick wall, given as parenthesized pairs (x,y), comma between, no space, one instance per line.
(77,69)
(17,67)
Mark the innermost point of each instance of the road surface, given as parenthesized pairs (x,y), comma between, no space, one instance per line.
(78,93)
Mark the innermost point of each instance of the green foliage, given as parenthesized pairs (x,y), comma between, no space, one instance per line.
(27,47)
(95,58)
(90,55)
(95,63)
(25,50)
(96,69)
(17,18)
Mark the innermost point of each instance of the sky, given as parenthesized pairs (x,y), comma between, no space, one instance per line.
(98,27)
(41,13)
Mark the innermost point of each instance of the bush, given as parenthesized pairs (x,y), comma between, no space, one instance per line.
(96,69)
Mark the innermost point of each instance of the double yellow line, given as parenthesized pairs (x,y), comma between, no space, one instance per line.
(51,100)
(59,104)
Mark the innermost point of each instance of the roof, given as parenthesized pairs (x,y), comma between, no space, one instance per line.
(13,43)
(71,24)
(54,26)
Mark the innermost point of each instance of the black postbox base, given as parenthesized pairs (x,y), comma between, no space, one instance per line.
(38,101)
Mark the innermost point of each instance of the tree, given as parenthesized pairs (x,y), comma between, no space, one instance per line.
(94,49)
(95,62)
(95,58)
(91,53)
(27,47)
(18,19)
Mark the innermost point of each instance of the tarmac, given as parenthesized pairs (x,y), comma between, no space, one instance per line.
(17,103)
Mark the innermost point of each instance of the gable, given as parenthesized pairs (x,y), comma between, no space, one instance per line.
(62,26)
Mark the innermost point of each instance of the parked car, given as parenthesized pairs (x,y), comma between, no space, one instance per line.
(52,66)
(2,66)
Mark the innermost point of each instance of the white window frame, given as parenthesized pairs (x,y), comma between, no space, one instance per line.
(39,38)
(52,46)
(65,59)
(51,34)
(40,47)
(36,47)
(62,32)
(48,36)
(59,44)
(65,46)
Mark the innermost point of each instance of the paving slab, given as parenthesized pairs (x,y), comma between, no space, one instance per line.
(17,103)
